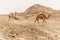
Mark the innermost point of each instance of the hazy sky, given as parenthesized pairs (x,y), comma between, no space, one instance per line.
(7,6)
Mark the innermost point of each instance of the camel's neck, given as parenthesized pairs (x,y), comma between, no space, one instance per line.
(47,17)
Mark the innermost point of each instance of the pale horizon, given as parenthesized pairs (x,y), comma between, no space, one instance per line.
(7,6)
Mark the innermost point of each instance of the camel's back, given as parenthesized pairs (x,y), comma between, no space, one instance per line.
(41,16)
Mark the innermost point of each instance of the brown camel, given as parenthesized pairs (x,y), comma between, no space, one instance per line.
(42,17)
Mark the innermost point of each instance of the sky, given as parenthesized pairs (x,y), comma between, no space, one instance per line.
(7,6)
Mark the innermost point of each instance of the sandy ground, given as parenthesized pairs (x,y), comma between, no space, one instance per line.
(26,29)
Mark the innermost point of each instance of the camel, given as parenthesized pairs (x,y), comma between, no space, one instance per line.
(13,15)
(42,17)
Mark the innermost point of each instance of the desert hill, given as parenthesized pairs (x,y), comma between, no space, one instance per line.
(25,29)
(39,8)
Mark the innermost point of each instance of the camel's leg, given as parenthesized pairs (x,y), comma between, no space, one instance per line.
(37,20)
(8,20)
(44,22)
(13,22)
